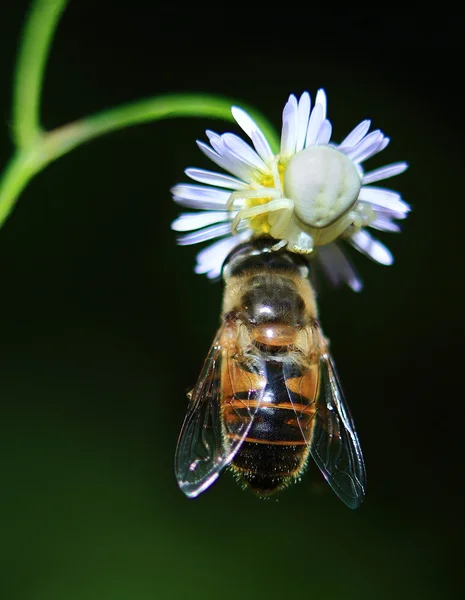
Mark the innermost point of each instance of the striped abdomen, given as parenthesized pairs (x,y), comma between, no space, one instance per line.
(282,400)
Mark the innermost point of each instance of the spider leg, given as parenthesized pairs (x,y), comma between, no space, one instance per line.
(261,209)
(261,192)
(280,222)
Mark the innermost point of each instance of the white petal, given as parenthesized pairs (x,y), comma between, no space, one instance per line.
(201,193)
(286,141)
(198,204)
(210,260)
(243,151)
(289,129)
(337,267)
(314,124)
(255,134)
(244,120)
(226,163)
(389,213)
(324,134)
(384,172)
(377,251)
(366,145)
(321,99)
(383,223)
(263,148)
(211,178)
(190,221)
(356,135)
(384,198)
(212,135)
(368,154)
(303,114)
(203,235)
(235,164)
(372,150)
(383,144)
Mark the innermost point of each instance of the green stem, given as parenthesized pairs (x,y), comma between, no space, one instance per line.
(38,32)
(36,149)
(51,146)
(20,170)
(62,140)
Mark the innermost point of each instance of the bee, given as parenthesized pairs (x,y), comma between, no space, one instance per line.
(268,396)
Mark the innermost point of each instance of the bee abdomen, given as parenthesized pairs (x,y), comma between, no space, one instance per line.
(275,449)
(278,408)
(274,424)
(267,468)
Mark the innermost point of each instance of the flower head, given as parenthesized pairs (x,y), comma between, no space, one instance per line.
(307,197)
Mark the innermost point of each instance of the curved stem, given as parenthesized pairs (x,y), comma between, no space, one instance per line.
(54,144)
(36,148)
(62,140)
(20,170)
(38,32)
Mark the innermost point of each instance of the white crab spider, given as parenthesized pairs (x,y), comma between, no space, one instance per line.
(312,205)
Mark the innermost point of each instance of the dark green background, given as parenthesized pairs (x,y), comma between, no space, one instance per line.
(104,326)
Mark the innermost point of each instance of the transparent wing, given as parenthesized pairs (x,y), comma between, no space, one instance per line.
(334,444)
(208,441)
(302,381)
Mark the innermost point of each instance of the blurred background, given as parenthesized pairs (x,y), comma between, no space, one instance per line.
(104,326)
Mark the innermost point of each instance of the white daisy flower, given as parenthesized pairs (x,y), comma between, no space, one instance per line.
(309,195)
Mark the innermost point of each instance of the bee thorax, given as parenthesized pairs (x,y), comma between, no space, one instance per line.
(272,299)
(274,334)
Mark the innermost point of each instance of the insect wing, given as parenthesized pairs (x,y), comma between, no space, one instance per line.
(302,380)
(334,446)
(204,447)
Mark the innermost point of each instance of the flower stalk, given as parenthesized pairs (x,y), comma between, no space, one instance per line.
(36,148)
(39,28)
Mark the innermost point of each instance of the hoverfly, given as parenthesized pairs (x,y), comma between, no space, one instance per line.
(268,396)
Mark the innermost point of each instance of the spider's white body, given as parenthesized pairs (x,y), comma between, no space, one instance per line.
(311,206)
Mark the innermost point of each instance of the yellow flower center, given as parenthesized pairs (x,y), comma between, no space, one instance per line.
(260,224)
